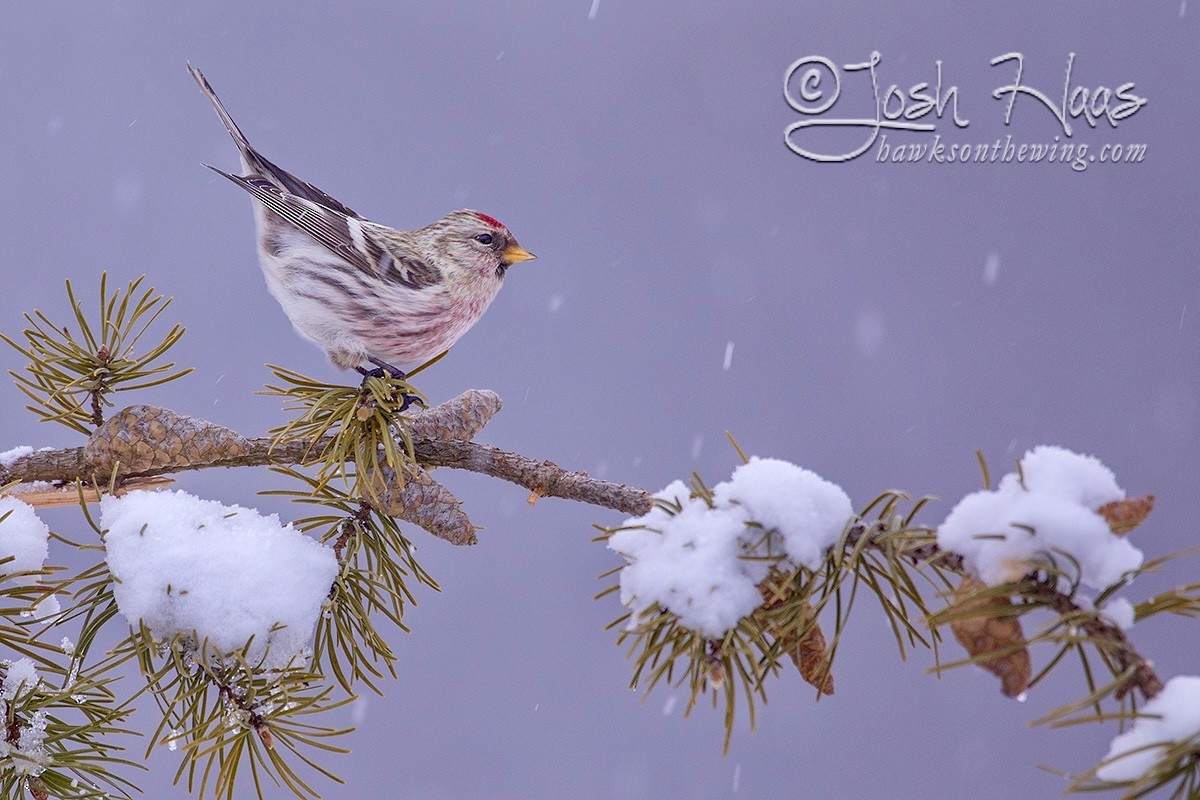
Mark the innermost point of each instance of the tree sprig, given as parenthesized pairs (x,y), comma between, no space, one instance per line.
(364,425)
(376,561)
(71,373)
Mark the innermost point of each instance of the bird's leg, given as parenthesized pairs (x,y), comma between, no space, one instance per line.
(381,366)
(369,373)
(382,369)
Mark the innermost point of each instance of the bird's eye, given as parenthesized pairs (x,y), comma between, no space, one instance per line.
(484,238)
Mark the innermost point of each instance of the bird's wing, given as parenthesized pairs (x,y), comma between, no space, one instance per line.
(329,227)
(397,262)
(348,237)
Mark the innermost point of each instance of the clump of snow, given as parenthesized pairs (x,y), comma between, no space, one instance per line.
(1051,514)
(1172,716)
(1119,612)
(809,511)
(219,573)
(23,536)
(20,678)
(704,563)
(27,756)
(8,457)
(691,563)
(31,745)
(44,609)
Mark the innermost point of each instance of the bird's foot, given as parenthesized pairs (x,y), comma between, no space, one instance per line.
(372,373)
(382,368)
(385,370)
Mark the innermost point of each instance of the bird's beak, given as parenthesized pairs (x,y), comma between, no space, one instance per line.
(515,254)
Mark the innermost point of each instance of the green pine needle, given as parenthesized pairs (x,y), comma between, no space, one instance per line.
(71,374)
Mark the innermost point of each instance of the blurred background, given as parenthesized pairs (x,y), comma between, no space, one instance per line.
(873,322)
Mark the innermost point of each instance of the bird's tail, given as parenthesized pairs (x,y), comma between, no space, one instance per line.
(256,164)
(250,157)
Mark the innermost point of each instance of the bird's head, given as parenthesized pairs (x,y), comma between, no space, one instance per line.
(479,244)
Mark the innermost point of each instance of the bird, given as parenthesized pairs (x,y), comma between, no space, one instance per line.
(364,292)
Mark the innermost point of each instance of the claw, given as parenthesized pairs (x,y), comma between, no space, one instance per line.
(410,399)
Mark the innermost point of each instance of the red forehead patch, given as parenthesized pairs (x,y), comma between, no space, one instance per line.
(495,223)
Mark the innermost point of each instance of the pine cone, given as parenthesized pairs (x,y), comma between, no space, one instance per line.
(142,437)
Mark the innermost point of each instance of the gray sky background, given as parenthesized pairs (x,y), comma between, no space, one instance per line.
(640,154)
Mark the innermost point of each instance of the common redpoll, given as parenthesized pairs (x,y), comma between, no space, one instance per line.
(362,291)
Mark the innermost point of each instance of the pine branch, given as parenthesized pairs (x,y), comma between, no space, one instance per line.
(1125,656)
(144,441)
(1041,593)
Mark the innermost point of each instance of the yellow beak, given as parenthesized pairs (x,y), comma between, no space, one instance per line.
(515,254)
